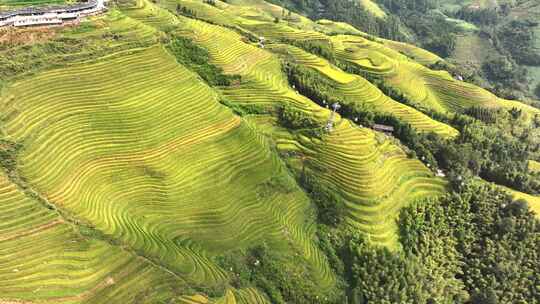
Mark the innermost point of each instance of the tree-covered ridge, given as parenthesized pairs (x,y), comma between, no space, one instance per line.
(475,245)
(487,238)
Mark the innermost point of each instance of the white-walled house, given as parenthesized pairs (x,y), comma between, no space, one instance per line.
(50,15)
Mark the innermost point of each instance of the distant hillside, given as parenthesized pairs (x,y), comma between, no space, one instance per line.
(495,43)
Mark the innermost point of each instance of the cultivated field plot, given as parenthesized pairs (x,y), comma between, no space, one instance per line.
(333,27)
(139,147)
(415,53)
(428,89)
(237,57)
(243,296)
(45,258)
(375,58)
(372,175)
(356,89)
(376,180)
(402,65)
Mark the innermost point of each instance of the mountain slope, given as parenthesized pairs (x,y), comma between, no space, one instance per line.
(163,153)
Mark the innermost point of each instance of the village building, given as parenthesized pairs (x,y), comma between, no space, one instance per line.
(50,15)
(383,128)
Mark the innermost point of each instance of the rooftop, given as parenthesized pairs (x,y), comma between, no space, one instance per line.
(380,127)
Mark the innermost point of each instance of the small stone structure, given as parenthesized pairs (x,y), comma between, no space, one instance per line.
(50,15)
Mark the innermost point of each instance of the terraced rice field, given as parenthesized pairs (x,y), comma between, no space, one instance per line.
(373,176)
(137,146)
(217,14)
(357,89)
(373,213)
(429,89)
(329,26)
(45,259)
(438,91)
(279,31)
(243,296)
(415,53)
(372,210)
(368,55)
(87,142)
(241,58)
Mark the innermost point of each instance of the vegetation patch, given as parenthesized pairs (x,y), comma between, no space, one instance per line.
(8,155)
(197,58)
(284,278)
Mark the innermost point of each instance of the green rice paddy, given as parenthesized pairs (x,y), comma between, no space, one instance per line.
(139,150)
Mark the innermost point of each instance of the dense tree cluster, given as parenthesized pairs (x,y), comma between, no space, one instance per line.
(295,119)
(197,59)
(474,246)
(488,152)
(505,74)
(283,277)
(483,16)
(432,31)
(490,241)
(8,155)
(330,205)
(518,38)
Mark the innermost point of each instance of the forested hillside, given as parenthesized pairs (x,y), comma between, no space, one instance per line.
(242,151)
(491,43)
